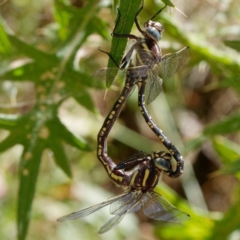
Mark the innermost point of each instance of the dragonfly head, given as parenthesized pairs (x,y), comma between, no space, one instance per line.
(162,160)
(154,30)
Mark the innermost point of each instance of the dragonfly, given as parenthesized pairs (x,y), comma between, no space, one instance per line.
(140,175)
(144,67)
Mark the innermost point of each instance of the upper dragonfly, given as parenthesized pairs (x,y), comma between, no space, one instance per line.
(144,60)
(144,66)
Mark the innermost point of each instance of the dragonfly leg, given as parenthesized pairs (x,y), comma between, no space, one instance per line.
(136,20)
(177,164)
(158,12)
(109,55)
(114,34)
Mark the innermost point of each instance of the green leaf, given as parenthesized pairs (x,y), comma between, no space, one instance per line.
(228,224)
(230,168)
(229,153)
(128,10)
(227,150)
(235,44)
(32,52)
(60,155)
(85,100)
(79,31)
(30,71)
(5,45)
(58,129)
(11,140)
(168,2)
(28,172)
(227,125)
(194,144)
(7,121)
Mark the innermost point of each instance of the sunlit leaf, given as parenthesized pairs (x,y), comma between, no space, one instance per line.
(228,224)
(128,10)
(195,143)
(168,2)
(28,173)
(235,44)
(227,125)
(5,45)
(31,51)
(60,156)
(227,150)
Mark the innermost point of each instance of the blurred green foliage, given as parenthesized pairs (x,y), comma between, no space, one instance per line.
(49,111)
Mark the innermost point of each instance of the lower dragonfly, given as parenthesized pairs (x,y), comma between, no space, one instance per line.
(144,70)
(140,175)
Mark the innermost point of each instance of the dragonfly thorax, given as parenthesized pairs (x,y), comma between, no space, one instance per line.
(153,30)
(144,178)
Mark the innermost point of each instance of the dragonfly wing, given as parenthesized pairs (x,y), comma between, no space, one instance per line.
(158,208)
(111,223)
(153,87)
(137,72)
(87,211)
(129,203)
(171,63)
(117,76)
(99,78)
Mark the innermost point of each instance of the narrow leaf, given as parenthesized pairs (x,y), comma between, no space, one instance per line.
(59,129)
(7,121)
(14,138)
(168,2)
(85,100)
(5,45)
(32,52)
(59,155)
(128,10)
(228,224)
(227,125)
(227,150)
(194,144)
(28,172)
(235,44)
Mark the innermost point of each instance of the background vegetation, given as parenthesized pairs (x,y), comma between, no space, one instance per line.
(50,116)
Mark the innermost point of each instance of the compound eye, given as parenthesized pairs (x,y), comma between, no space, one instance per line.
(154,30)
(162,164)
(158,26)
(153,33)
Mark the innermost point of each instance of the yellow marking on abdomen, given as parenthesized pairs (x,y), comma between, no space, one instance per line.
(116,177)
(102,160)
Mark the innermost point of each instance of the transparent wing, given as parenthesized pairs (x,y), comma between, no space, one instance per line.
(99,78)
(111,223)
(119,75)
(153,87)
(158,208)
(87,211)
(171,63)
(129,203)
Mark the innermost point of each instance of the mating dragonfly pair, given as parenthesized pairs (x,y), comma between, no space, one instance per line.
(140,173)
